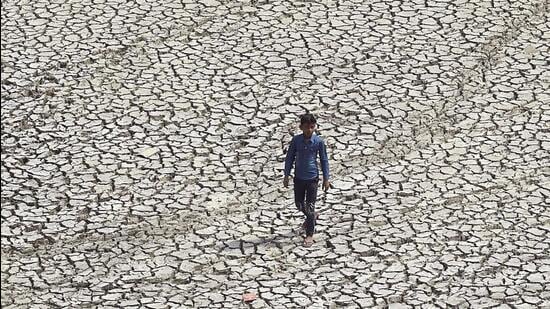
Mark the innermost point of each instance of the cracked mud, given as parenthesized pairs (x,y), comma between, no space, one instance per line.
(142,149)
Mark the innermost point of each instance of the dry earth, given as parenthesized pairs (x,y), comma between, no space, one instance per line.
(142,149)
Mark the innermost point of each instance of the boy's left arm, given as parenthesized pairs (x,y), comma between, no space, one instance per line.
(324,164)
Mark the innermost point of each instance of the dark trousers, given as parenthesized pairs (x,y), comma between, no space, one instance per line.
(305,195)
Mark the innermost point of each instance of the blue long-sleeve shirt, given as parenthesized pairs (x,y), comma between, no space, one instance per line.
(304,153)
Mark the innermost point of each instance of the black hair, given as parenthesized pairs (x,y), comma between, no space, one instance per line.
(307,118)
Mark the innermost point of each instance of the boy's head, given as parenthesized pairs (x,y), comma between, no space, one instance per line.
(308,124)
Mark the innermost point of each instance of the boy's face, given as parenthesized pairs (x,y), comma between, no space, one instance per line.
(307,128)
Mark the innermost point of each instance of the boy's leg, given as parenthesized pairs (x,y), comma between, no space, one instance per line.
(311,198)
(299,194)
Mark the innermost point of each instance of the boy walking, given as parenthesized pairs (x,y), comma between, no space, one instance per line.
(303,150)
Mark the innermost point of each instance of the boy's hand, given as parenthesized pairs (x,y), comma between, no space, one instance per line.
(285,181)
(326,185)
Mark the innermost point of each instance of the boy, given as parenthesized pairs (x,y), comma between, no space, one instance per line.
(303,150)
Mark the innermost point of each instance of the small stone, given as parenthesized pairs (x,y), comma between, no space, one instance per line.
(343,185)
(125,121)
(164,272)
(143,208)
(112,296)
(344,300)
(211,2)
(72,38)
(360,248)
(211,230)
(365,302)
(455,300)
(37,21)
(319,70)
(538,278)
(281,290)
(530,50)
(254,271)
(107,230)
(216,297)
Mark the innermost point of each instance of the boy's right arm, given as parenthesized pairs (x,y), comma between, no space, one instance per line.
(289,160)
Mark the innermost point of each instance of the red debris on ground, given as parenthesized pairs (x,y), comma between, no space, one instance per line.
(248,297)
